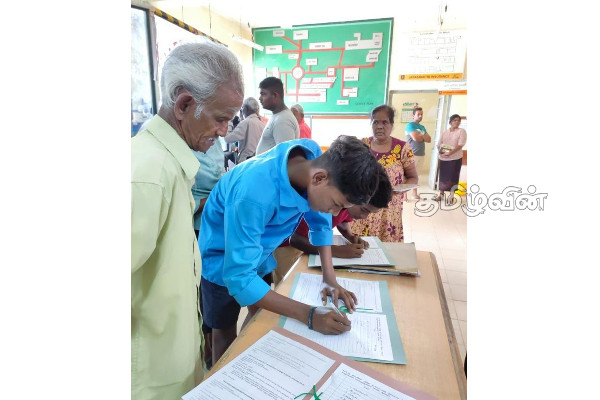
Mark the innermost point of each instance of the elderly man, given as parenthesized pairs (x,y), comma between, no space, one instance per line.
(282,126)
(298,112)
(247,133)
(202,89)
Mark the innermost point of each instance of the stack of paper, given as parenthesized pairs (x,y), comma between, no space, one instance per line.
(376,258)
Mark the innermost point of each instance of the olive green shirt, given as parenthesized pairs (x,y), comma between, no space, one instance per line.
(166,339)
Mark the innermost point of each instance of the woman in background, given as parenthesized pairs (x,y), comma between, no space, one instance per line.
(450,148)
(397,158)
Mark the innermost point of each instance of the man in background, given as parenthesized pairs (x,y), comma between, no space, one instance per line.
(248,132)
(202,89)
(282,126)
(417,136)
(298,112)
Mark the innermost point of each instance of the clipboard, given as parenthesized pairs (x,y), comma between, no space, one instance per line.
(399,356)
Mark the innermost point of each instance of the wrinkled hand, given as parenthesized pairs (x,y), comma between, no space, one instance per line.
(347,250)
(336,292)
(329,322)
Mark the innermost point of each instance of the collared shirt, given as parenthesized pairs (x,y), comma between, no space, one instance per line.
(212,168)
(455,138)
(247,133)
(305,132)
(166,344)
(251,211)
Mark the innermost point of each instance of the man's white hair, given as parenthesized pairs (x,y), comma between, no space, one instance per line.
(201,69)
(298,108)
(251,105)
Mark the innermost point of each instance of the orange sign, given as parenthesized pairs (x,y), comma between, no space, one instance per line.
(446,92)
(430,76)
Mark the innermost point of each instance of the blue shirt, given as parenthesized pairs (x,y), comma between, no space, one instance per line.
(250,212)
(417,147)
(212,167)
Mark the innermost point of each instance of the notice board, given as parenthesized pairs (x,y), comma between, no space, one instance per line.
(337,68)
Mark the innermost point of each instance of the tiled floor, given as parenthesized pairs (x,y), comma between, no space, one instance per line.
(445,235)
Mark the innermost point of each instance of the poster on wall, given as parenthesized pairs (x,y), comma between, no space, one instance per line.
(335,68)
(433,55)
(407,111)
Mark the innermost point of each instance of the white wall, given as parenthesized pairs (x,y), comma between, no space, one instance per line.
(220,28)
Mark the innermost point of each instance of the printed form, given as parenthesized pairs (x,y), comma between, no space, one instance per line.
(368,338)
(339,240)
(346,383)
(275,367)
(369,257)
(308,291)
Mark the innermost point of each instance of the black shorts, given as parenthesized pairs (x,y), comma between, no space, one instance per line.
(220,310)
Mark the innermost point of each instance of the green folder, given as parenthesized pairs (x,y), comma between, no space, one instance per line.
(399,357)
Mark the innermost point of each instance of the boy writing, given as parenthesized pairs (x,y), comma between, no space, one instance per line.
(257,205)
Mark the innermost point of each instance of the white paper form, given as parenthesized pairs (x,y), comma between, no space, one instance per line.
(346,383)
(369,257)
(373,244)
(339,240)
(308,291)
(274,368)
(368,338)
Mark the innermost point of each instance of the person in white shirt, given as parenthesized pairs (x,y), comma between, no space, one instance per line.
(248,132)
(282,126)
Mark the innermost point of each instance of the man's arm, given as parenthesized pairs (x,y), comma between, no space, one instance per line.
(330,285)
(147,219)
(344,229)
(324,320)
(351,250)
(419,137)
(238,133)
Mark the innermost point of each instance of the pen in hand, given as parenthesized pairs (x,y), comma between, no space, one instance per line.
(335,308)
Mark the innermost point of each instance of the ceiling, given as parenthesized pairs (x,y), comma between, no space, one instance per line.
(409,16)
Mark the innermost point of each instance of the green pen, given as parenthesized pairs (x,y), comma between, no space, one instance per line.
(345,309)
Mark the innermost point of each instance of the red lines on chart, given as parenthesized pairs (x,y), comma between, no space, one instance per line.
(330,74)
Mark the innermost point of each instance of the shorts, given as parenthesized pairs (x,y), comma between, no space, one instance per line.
(220,310)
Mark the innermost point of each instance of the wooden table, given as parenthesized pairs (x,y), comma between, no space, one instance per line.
(433,364)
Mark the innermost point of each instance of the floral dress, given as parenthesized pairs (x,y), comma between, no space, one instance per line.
(387,223)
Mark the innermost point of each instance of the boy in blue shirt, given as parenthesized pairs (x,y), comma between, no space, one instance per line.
(259,204)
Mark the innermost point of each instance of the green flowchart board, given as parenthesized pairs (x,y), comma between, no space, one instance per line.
(330,69)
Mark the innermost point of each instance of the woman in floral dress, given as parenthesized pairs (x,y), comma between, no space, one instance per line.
(397,158)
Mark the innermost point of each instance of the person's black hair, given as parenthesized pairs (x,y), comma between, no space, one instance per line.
(273,84)
(384,107)
(351,167)
(454,116)
(383,194)
(417,109)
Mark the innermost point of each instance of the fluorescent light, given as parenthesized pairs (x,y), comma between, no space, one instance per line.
(247,42)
